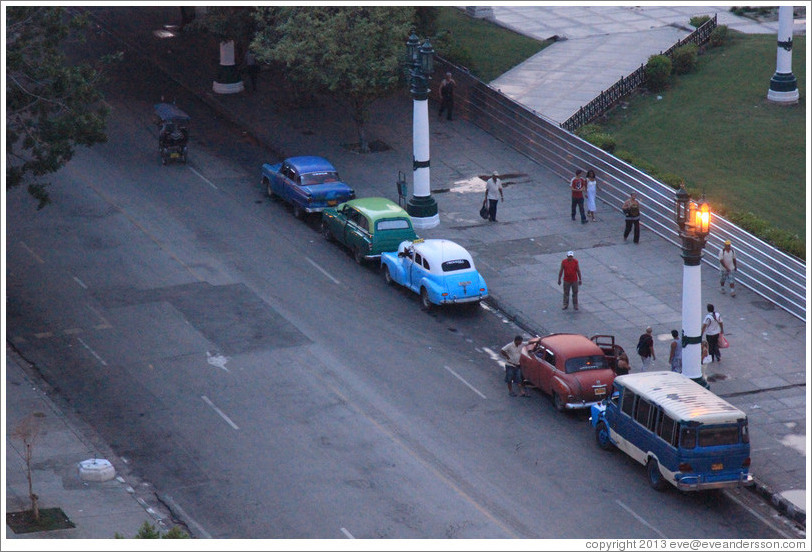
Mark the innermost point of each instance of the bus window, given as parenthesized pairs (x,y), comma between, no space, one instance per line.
(628,401)
(667,430)
(687,438)
(716,436)
(642,412)
(654,419)
(745,433)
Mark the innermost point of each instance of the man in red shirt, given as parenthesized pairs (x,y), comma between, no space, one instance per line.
(578,186)
(572,279)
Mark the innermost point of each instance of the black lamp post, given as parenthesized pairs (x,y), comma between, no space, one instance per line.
(693,219)
(420,59)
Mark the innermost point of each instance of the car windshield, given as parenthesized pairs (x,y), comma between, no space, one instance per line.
(580,364)
(326,177)
(458,264)
(392,224)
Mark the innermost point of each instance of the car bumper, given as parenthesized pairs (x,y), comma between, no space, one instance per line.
(458,300)
(580,405)
(695,483)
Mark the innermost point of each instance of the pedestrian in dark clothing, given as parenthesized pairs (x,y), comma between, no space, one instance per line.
(578,187)
(572,279)
(252,68)
(447,95)
(631,208)
(645,348)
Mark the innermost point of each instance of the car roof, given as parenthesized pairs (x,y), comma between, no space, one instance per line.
(681,398)
(441,250)
(310,164)
(379,207)
(571,345)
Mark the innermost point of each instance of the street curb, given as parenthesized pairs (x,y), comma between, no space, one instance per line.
(780,503)
(775,499)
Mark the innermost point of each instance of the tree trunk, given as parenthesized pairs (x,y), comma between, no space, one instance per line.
(34,498)
(360,116)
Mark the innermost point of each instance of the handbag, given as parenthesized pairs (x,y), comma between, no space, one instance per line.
(723,344)
(483,211)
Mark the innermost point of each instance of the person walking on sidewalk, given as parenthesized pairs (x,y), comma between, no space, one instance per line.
(493,191)
(712,326)
(675,353)
(513,372)
(572,279)
(727,268)
(645,348)
(447,95)
(591,194)
(578,187)
(631,208)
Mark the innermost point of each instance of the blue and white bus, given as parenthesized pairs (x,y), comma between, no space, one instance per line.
(683,433)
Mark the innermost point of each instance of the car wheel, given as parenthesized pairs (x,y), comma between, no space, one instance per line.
(268,190)
(387,276)
(358,255)
(325,231)
(298,212)
(425,302)
(602,436)
(558,402)
(655,478)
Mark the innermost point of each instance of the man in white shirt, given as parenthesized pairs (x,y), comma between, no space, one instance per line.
(513,373)
(728,267)
(493,191)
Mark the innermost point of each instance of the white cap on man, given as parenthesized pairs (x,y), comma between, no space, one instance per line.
(570,253)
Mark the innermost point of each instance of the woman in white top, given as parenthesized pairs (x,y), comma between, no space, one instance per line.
(591,193)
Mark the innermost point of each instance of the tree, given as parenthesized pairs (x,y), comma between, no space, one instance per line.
(27,431)
(52,105)
(352,53)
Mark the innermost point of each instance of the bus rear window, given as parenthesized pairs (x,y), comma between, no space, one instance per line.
(717,436)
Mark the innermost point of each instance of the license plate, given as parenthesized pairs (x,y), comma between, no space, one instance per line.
(174,155)
(716,467)
(600,391)
(465,283)
(332,202)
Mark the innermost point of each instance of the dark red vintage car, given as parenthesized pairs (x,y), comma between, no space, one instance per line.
(574,370)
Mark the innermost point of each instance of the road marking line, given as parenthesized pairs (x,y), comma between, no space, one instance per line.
(92,352)
(320,269)
(459,377)
(641,520)
(80,282)
(73,331)
(347,533)
(220,412)
(43,335)
(37,257)
(105,323)
(206,180)
(758,516)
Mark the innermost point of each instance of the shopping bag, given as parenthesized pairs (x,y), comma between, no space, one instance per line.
(483,211)
(723,344)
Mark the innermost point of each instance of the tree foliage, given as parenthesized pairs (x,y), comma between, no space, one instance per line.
(227,23)
(352,53)
(52,105)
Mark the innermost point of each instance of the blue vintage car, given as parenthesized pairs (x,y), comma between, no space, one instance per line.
(441,271)
(309,183)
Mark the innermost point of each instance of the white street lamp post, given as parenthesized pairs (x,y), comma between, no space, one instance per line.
(783,84)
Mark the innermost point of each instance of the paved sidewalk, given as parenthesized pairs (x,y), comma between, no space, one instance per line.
(626,286)
(597,46)
(97,509)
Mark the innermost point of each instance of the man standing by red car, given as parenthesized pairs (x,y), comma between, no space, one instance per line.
(572,279)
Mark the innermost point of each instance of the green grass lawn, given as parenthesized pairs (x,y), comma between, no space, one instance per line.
(486,49)
(715,128)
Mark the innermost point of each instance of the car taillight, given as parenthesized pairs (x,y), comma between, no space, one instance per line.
(685,467)
(746,463)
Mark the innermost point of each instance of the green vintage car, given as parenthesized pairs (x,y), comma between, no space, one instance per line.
(367,226)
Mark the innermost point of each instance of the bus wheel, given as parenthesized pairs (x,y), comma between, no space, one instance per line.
(602,436)
(655,478)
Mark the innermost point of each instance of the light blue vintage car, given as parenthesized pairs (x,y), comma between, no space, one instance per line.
(441,271)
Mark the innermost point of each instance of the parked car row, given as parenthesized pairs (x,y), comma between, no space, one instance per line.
(440,271)
(683,434)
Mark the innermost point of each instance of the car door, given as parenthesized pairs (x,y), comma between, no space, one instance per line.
(286,175)
(546,371)
(355,230)
(410,266)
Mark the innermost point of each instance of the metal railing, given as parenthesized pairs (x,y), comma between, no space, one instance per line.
(607,98)
(769,272)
